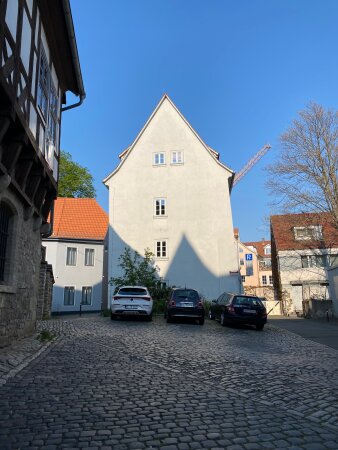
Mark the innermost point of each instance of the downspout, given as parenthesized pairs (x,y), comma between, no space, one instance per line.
(75,55)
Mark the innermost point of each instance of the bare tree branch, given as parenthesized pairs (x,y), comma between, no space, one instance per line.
(305,177)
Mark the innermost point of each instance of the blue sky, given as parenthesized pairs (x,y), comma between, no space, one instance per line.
(239,71)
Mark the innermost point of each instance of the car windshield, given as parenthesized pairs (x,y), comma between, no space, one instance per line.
(186,294)
(247,301)
(132,291)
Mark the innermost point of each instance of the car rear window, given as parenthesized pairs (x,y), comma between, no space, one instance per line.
(186,293)
(132,291)
(252,301)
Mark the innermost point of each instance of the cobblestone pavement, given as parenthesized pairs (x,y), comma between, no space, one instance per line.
(139,385)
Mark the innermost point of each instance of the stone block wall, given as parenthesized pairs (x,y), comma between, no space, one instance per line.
(19,290)
(43,310)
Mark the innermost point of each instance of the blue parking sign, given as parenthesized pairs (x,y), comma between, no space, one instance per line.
(248,257)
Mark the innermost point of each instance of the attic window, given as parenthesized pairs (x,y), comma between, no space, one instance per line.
(177,157)
(159,159)
(267,250)
(314,232)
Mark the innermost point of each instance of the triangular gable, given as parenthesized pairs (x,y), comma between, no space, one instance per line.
(127,152)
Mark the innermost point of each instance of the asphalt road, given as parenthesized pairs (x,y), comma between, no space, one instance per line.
(137,385)
(321,331)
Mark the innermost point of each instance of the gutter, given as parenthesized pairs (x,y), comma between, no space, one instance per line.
(75,55)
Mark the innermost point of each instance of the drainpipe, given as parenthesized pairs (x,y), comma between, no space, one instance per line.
(75,55)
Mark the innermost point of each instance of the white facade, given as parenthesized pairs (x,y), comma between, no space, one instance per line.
(303,283)
(69,272)
(171,194)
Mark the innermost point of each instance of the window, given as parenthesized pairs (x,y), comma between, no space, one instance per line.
(241,261)
(333,260)
(270,279)
(308,233)
(86,295)
(89,257)
(243,278)
(240,250)
(264,281)
(177,157)
(267,250)
(71,256)
(313,261)
(159,159)
(5,219)
(161,249)
(160,207)
(43,86)
(69,296)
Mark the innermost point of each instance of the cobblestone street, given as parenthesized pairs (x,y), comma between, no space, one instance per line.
(139,385)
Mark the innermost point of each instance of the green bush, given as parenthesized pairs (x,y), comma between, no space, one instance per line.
(105,312)
(158,306)
(45,335)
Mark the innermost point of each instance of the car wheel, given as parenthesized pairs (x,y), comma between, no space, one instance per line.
(211,316)
(222,319)
(169,319)
(201,321)
(259,327)
(149,318)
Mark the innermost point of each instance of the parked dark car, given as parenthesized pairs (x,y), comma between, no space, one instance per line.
(184,303)
(238,308)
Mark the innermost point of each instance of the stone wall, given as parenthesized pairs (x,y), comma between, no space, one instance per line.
(19,290)
(44,304)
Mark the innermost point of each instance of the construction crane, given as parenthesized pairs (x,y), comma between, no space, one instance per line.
(251,163)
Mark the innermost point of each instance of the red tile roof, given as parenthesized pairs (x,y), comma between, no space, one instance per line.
(259,246)
(283,225)
(79,218)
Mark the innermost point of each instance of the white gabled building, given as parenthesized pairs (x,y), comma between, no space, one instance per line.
(171,194)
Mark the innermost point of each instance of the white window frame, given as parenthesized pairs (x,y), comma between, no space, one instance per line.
(264,280)
(308,233)
(177,157)
(160,207)
(267,250)
(91,259)
(161,248)
(159,159)
(69,289)
(84,293)
(270,279)
(308,261)
(71,260)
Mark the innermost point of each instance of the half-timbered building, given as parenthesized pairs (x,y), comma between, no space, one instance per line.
(38,64)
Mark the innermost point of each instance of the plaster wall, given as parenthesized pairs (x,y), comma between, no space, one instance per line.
(198,226)
(77,276)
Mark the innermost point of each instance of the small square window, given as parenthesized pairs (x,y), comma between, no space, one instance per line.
(177,157)
(159,159)
(160,207)
(161,249)
(71,256)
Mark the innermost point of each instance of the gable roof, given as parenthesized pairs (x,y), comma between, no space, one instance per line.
(124,155)
(79,218)
(259,246)
(282,230)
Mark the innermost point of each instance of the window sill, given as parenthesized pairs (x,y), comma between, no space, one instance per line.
(160,217)
(7,289)
(158,258)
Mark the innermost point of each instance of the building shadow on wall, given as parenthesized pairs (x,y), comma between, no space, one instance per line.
(185,269)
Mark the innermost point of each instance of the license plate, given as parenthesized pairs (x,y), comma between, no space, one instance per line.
(131,307)
(186,304)
(249,311)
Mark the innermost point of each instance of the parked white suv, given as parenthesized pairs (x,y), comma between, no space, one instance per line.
(131,301)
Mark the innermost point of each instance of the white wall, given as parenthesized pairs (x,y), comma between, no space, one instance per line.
(198,226)
(77,276)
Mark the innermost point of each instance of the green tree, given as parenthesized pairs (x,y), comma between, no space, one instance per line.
(74,180)
(137,269)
